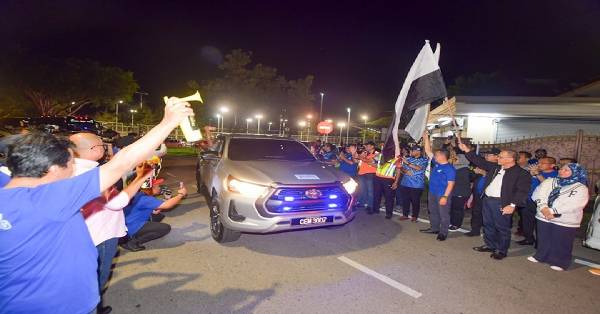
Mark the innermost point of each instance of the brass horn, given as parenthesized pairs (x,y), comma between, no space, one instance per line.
(194,97)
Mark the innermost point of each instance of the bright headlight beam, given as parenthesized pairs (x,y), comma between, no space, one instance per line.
(246,188)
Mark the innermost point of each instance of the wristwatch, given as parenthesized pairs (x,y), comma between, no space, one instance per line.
(512,205)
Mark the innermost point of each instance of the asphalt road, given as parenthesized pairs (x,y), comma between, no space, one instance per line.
(370,265)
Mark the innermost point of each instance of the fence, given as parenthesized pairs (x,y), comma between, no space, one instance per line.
(583,147)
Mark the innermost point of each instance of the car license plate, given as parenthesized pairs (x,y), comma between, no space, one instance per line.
(312,220)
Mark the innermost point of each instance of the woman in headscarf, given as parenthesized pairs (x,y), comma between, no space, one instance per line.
(560,202)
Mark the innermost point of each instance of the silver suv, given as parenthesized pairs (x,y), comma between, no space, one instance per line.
(261,184)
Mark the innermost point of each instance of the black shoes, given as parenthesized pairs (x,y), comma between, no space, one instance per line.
(428,230)
(472,234)
(453,228)
(103,309)
(133,245)
(441,237)
(483,248)
(526,242)
(498,255)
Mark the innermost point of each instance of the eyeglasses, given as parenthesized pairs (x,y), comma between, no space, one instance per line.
(103,146)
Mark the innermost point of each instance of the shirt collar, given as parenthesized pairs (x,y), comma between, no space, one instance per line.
(83,165)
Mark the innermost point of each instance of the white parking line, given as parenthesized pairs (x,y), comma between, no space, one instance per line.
(411,292)
(578,261)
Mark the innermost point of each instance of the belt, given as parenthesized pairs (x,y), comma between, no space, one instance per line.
(492,198)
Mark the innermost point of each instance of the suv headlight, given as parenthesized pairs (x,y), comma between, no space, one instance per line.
(245,188)
(350,186)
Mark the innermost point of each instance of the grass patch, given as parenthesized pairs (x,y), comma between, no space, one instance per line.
(182,151)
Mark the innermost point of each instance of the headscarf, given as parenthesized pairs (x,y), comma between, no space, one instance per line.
(578,175)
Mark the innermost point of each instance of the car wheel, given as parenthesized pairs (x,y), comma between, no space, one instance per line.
(219,232)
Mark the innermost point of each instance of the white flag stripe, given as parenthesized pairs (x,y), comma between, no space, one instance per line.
(417,124)
(424,64)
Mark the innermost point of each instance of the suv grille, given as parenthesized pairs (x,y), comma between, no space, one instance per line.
(298,199)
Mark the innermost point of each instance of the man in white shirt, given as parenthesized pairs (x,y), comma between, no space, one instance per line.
(506,187)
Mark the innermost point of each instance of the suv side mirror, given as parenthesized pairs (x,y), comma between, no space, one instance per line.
(209,155)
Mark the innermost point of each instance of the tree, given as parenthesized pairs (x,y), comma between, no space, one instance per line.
(246,86)
(60,87)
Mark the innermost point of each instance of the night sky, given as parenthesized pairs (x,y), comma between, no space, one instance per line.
(359,51)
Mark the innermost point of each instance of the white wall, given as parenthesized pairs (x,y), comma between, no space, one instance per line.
(518,128)
(481,129)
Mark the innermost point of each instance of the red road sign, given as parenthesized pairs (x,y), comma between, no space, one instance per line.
(325,127)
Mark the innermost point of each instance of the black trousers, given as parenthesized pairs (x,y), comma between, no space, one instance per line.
(555,244)
(383,187)
(457,210)
(411,197)
(529,221)
(152,231)
(476,215)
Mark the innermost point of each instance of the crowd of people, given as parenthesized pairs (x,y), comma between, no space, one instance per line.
(67,205)
(495,185)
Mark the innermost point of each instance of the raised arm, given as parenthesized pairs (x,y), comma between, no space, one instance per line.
(427,144)
(476,159)
(131,155)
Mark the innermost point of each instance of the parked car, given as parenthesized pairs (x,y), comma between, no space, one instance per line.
(66,124)
(263,184)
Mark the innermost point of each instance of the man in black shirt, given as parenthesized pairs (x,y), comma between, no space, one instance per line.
(506,187)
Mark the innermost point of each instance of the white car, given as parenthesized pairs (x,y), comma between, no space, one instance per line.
(263,184)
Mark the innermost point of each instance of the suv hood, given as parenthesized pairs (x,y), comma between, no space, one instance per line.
(285,172)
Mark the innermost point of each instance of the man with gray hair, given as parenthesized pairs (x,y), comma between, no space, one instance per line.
(506,187)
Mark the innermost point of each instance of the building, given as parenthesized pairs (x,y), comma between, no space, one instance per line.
(497,119)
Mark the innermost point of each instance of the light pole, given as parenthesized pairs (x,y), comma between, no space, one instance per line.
(283,130)
(258,117)
(117,113)
(302,125)
(309,117)
(348,128)
(218,115)
(341,125)
(248,120)
(142,94)
(364,117)
(223,111)
(270,126)
(132,112)
(321,111)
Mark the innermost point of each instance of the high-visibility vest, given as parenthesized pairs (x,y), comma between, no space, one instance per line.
(386,169)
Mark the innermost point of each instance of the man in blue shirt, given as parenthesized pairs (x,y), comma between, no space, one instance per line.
(540,172)
(348,164)
(413,182)
(48,262)
(441,183)
(329,156)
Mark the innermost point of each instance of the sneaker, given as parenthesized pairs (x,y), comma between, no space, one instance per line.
(532,259)
(556,268)
(133,245)
(453,228)
(472,234)
(414,219)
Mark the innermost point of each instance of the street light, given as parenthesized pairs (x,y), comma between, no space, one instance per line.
(270,125)
(302,124)
(341,125)
(258,117)
(132,112)
(321,111)
(223,111)
(364,117)
(348,128)
(117,113)
(248,120)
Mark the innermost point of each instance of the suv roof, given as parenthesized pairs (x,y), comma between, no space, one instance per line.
(255,136)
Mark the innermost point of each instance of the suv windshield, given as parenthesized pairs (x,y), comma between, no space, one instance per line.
(244,149)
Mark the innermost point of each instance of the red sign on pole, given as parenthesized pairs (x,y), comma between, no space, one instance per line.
(325,127)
